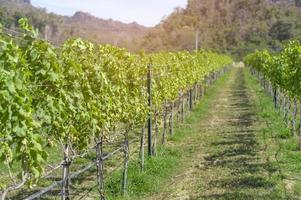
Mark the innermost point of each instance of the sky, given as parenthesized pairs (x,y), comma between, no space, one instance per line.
(145,12)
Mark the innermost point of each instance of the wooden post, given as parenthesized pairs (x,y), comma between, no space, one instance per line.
(294,119)
(126,163)
(141,153)
(149,123)
(171,119)
(202,90)
(100,167)
(187,99)
(164,124)
(178,108)
(287,112)
(271,89)
(198,88)
(198,92)
(197,40)
(182,109)
(284,104)
(65,178)
(195,96)
(300,127)
(190,99)
(205,85)
(154,149)
(279,98)
(275,97)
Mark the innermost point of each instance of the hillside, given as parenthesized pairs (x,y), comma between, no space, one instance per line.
(57,28)
(108,31)
(235,27)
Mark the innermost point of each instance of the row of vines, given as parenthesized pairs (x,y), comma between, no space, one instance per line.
(79,93)
(280,74)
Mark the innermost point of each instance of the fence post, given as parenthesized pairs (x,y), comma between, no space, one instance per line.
(65,178)
(154,149)
(164,124)
(142,149)
(171,119)
(190,99)
(275,97)
(126,163)
(294,119)
(149,122)
(100,167)
(178,108)
(287,112)
(195,96)
(284,103)
(204,85)
(182,108)
(300,126)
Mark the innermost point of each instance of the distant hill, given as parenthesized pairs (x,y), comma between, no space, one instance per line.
(110,31)
(229,26)
(57,28)
(234,27)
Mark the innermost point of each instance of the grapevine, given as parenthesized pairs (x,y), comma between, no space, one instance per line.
(80,91)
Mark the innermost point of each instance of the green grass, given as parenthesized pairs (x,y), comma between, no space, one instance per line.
(157,169)
(282,147)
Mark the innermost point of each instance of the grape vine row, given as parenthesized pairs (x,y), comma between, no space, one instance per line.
(280,74)
(80,92)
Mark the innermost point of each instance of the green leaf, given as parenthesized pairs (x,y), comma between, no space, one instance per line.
(11,87)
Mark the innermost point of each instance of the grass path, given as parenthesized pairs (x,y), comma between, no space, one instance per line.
(227,154)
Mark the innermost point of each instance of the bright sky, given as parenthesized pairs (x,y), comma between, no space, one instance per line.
(145,12)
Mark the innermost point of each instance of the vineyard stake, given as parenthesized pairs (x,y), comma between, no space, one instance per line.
(65,178)
(300,127)
(164,124)
(283,103)
(171,119)
(178,108)
(182,113)
(275,97)
(195,97)
(100,167)
(126,163)
(295,116)
(141,153)
(149,122)
(287,113)
(190,99)
(154,149)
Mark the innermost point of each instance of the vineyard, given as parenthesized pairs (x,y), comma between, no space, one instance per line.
(79,96)
(280,75)
(88,121)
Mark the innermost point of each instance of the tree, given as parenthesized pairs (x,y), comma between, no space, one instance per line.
(281,31)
